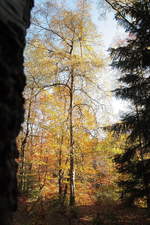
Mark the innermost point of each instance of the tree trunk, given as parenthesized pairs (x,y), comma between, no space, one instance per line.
(72,169)
(14,19)
(60,172)
(23,147)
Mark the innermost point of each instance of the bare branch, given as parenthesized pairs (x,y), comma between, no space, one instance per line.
(54,32)
(56,84)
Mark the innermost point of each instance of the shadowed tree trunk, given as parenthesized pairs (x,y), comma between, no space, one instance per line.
(14,20)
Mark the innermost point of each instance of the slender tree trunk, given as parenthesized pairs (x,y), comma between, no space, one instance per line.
(14,19)
(60,172)
(72,168)
(23,147)
(60,177)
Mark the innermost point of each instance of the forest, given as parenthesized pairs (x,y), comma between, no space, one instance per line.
(80,163)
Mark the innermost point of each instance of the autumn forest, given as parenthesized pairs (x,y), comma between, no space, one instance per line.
(80,163)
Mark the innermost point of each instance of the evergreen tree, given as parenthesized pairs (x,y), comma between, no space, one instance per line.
(133,60)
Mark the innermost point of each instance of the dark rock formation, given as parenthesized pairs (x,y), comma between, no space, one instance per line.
(14,20)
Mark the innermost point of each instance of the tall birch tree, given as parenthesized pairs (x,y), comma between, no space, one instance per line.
(71,60)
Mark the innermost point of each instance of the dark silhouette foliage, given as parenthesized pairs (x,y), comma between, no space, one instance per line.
(133,60)
(14,20)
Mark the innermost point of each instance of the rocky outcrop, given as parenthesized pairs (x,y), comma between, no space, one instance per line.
(14,20)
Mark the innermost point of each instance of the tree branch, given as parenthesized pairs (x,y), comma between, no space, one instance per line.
(54,32)
(120,14)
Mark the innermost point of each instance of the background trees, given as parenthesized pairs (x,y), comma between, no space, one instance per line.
(63,149)
(62,66)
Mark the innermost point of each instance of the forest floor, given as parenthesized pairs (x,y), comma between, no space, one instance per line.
(48,213)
